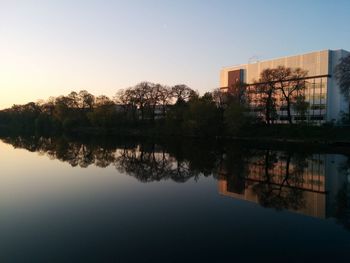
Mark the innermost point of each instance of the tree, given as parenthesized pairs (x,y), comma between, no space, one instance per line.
(74,100)
(127,101)
(301,106)
(86,100)
(290,82)
(235,118)
(183,92)
(266,86)
(219,97)
(342,74)
(202,117)
(61,110)
(140,94)
(22,117)
(103,113)
(175,117)
(165,98)
(103,100)
(238,93)
(48,106)
(154,96)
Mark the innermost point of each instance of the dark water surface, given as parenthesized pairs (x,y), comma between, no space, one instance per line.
(119,201)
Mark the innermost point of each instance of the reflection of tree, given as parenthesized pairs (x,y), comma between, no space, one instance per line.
(154,164)
(104,157)
(281,188)
(342,212)
(194,157)
(342,199)
(146,161)
(276,178)
(145,166)
(73,152)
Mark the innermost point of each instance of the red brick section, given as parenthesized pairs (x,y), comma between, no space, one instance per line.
(234,76)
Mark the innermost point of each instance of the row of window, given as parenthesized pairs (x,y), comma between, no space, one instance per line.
(315,94)
(304,118)
(313,107)
(299,118)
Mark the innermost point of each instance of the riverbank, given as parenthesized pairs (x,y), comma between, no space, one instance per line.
(322,136)
(279,134)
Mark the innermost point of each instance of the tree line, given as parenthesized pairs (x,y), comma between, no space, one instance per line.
(176,110)
(134,106)
(145,106)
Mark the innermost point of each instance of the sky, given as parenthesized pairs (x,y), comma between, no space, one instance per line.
(52,47)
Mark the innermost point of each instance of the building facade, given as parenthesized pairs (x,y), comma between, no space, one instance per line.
(322,94)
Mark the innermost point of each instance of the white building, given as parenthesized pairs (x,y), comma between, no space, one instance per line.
(322,91)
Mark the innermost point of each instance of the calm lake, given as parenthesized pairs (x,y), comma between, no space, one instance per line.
(83,200)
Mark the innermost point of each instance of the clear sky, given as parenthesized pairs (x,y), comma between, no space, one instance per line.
(51,47)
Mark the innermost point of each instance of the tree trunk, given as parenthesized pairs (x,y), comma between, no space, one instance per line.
(153,113)
(266,168)
(163,108)
(288,111)
(267,113)
(289,157)
(142,113)
(268,109)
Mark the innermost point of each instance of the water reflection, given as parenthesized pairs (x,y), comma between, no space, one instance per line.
(275,179)
(309,183)
(146,161)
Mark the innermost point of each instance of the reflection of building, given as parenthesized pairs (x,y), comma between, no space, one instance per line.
(309,188)
(315,202)
(322,92)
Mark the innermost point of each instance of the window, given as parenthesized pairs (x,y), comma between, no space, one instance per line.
(317,118)
(283,108)
(318,106)
(283,118)
(300,118)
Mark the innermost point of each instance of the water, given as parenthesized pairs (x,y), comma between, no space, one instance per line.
(64,200)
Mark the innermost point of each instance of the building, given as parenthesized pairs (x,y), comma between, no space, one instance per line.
(322,93)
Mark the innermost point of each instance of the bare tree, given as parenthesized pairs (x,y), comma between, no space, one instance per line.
(183,92)
(218,97)
(154,94)
(103,100)
(267,87)
(301,106)
(145,97)
(290,82)
(142,95)
(74,100)
(165,98)
(127,99)
(238,93)
(48,106)
(86,100)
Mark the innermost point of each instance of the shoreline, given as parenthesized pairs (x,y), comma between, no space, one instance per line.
(323,144)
